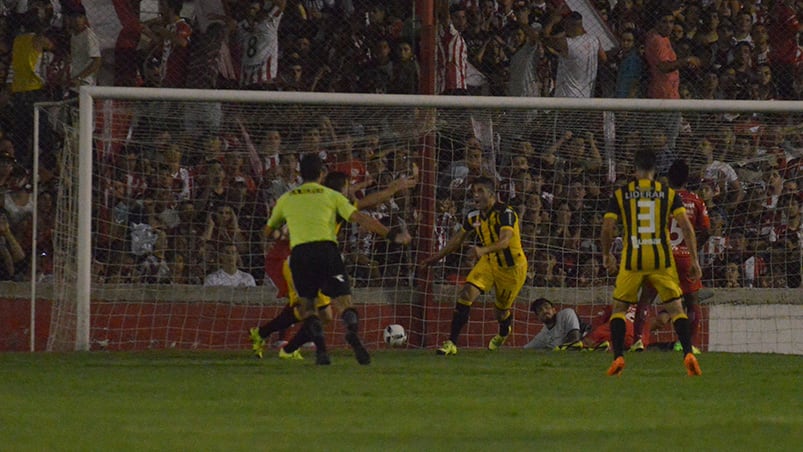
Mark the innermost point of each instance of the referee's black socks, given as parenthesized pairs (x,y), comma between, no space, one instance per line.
(315,330)
(351,320)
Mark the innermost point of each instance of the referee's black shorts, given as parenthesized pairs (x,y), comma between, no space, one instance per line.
(319,266)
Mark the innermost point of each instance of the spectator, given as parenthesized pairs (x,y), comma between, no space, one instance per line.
(630,68)
(733,276)
(258,40)
(461,174)
(211,188)
(763,88)
(525,60)
(452,56)
(561,329)
(26,83)
(744,28)
(269,154)
(11,252)
(783,30)
(84,49)
(407,72)
(661,59)
(228,275)
(578,55)
(721,175)
(168,56)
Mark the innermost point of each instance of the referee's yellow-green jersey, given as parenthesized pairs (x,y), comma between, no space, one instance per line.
(311,212)
(645,208)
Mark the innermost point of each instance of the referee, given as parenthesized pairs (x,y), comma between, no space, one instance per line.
(311,211)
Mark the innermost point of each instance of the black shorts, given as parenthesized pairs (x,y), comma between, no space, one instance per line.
(319,266)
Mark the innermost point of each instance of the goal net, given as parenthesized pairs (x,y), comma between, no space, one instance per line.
(180,177)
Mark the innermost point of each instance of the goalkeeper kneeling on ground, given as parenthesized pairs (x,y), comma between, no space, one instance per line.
(561,330)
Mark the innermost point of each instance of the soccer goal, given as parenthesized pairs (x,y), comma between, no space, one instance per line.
(156,183)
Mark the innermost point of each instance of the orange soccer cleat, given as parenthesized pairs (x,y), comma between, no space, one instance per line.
(617,367)
(692,366)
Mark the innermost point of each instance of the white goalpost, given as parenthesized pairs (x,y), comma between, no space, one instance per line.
(130,142)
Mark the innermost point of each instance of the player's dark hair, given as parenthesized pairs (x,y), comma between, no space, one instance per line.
(536,305)
(311,167)
(486,181)
(644,159)
(336,180)
(678,173)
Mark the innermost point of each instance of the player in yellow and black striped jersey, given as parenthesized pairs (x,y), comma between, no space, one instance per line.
(644,207)
(501,263)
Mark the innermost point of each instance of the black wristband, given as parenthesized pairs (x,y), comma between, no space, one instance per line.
(392,233)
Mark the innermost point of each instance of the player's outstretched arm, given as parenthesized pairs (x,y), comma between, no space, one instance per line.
(370,200)
(373,225)
(453,245)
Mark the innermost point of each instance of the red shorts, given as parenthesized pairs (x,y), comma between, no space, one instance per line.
(683,264)
(602,333)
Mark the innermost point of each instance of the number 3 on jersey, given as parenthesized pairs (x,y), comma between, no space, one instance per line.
(646,216)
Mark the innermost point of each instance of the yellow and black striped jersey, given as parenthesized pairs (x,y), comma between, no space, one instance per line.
(645,208)
(488,225)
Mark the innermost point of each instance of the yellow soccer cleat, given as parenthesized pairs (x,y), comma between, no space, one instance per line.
(637,346)
(448,348)
(295,356)
(617,367)
(498,340)
(692,366)
(695,350)
(258,344)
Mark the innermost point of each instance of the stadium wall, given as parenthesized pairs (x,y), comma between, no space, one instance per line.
(764,321)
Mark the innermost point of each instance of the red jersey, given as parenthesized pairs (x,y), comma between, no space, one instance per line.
(698,217)
(452,59)
(783,34)
(175,59)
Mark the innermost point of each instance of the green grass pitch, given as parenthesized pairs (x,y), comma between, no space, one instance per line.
(405,400)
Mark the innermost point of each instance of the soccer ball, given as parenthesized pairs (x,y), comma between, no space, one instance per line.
(395,335)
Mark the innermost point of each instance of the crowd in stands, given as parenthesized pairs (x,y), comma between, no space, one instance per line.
(191,184)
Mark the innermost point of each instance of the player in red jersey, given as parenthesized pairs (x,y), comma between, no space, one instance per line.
(698,217)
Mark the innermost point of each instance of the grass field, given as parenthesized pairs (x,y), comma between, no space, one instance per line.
(405,400)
